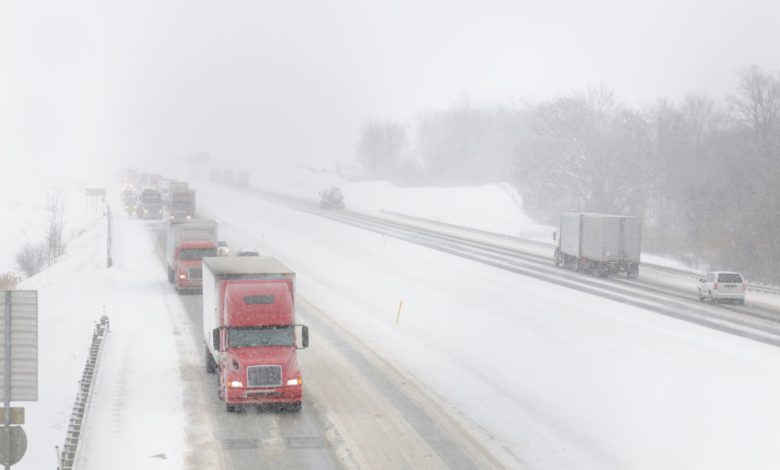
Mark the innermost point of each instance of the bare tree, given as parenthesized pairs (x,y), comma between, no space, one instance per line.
(55,244)
(381,148)
(590,153)
(31,258)
(757,106)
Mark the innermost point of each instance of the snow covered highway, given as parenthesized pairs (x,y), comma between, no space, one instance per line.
(484,367)
(359,411)
(664,295)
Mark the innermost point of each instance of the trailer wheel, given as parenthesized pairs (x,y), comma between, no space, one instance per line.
(211,366)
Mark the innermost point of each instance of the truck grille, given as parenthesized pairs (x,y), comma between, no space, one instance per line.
(264,376)
(196,273)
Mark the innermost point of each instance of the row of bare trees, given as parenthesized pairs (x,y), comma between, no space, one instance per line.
(703,174)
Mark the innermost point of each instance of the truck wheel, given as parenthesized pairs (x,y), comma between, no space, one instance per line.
(231,408)
(701,299)
(294,407)
(211,366)
(713,301)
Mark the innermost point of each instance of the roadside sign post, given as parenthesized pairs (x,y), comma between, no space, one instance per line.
(7,412)
(20,368)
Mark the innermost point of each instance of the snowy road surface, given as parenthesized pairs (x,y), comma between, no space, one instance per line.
(481,362)
(358,411)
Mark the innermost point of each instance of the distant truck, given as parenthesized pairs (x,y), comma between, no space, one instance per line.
(599,244)
(187,243)
(149,204)
(249,331)
(170,184)
(331,198)
(242,179)
(130,178)
(173,186)
(182,204)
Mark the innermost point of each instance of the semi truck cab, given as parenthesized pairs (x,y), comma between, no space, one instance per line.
(250,331)
(189,263)
(257,345)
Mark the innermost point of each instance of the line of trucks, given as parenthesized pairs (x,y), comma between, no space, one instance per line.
(149,196)
(249,331)
(250,334)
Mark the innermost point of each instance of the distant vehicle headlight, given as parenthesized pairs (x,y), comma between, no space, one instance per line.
(235,384)
(182,276)
(296,381)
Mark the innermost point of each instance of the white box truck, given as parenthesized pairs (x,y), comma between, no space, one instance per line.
(249,330)
(601,244)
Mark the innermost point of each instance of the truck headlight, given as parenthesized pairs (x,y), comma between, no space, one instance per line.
(182,276)
(296,381)
(235,384)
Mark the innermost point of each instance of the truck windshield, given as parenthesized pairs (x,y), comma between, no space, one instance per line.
(266,336)
(197,253)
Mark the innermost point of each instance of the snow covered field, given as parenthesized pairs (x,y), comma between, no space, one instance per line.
(543,376)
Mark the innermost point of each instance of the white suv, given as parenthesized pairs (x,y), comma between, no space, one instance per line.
(718,286)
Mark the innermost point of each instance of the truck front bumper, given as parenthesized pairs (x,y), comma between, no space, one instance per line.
(189,285)
(258,396)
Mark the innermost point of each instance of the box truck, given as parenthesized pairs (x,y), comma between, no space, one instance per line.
(600,244)
(187,243)
(249,330)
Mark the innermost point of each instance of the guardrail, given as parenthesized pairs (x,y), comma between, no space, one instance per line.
(688,273)
(67,457)
(470,229)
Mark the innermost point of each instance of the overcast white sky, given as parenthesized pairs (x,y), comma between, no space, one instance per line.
(105,81)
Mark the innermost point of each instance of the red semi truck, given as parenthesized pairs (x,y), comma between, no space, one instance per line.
(182,204)
(188,241)
(249,330)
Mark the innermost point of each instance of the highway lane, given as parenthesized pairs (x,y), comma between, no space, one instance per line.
(358,411)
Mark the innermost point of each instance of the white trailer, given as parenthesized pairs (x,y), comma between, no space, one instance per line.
(600,244)
(216,270)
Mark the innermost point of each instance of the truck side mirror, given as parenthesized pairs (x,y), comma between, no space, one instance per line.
(215,339)
(304,337)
